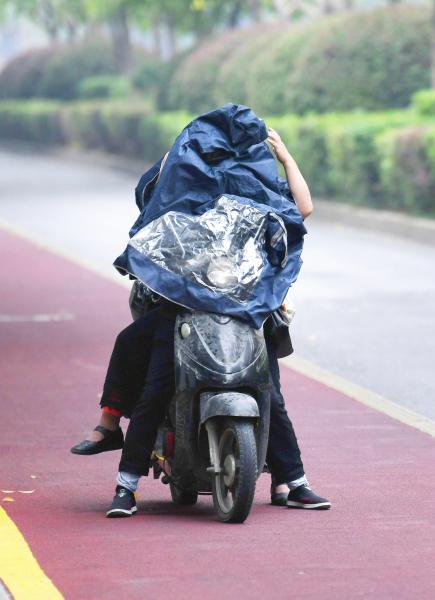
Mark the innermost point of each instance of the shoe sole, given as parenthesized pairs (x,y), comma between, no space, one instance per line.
(318,506)
(278,503)
(95,451)
(120,513)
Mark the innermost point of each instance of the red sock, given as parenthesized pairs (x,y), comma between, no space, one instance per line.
(112,411)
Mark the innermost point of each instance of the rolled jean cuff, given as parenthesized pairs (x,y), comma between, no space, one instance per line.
(290,479)
(128,480)
(298,482)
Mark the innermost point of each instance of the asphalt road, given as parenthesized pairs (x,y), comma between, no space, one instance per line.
(365,302)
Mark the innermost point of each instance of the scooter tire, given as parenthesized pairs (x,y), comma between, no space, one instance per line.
(233,500)
(183,497)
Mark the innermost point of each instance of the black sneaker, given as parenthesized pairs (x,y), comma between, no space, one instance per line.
(277,498)
(304,497)
(123,504)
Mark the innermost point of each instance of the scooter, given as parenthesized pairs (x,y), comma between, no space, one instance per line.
(215,435)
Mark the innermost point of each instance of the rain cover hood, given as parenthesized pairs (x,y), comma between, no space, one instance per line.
(219,231)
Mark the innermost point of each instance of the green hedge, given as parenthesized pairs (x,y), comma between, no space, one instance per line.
(56,71)
(33,121)
(424,103)
(104,86)
(370,59)
(382,159)
(194,85)
(130,129)
(407,168)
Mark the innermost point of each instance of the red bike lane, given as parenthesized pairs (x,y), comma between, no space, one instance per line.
(57,326)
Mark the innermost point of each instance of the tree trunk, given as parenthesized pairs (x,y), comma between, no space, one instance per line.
(234,17)
(48,19)
(121,40)
(157,36)
(256,10)
(329,7)
(172,35)
(71,30)
(432,43)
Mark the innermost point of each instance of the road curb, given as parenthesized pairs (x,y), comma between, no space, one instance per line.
(397,224)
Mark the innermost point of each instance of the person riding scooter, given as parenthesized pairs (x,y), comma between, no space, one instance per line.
(157,361)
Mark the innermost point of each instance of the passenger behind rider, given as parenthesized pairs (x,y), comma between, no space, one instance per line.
(146,347)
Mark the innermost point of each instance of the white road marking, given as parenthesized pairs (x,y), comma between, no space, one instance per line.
(40,243)
(37,318)
(367,397)
(4,592)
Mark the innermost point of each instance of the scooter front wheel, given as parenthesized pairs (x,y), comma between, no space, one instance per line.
(234,486)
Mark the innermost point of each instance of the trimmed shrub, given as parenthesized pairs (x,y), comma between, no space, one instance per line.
(372,59)
(55,72)
(39,122)
(112,127)
(72,63)
(21,77)
(194,84)
(268,77)
(104,86)
(353,154)
(407,169)
(235,77)
(153,78)
(424,103)
(387,159)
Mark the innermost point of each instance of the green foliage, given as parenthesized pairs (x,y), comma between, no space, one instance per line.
(104,86)
(72,63)
(39,122)
(234,79)
(374,59)
(382,159)
(22,76)
(407,168)
(126,128)
(55,72)
(358,60)
(195,83)
(424,103)
(152,77)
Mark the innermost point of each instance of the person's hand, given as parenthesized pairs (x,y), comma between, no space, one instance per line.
(278,147)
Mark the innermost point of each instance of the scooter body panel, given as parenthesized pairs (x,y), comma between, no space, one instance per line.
(215,356)
(227,404)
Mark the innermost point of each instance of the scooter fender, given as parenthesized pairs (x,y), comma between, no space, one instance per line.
(227,404)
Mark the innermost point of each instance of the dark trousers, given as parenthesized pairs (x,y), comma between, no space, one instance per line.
(140,383)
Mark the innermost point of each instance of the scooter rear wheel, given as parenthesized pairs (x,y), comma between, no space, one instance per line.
(234,486)
(183,497)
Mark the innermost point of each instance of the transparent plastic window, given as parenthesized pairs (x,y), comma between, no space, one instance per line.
(222,249)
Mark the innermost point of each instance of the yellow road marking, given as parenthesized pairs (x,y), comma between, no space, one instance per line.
(19,570)
(356,392)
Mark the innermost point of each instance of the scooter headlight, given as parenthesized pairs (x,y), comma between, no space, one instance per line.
(221,273)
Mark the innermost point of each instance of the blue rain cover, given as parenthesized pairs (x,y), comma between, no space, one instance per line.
(220,231)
